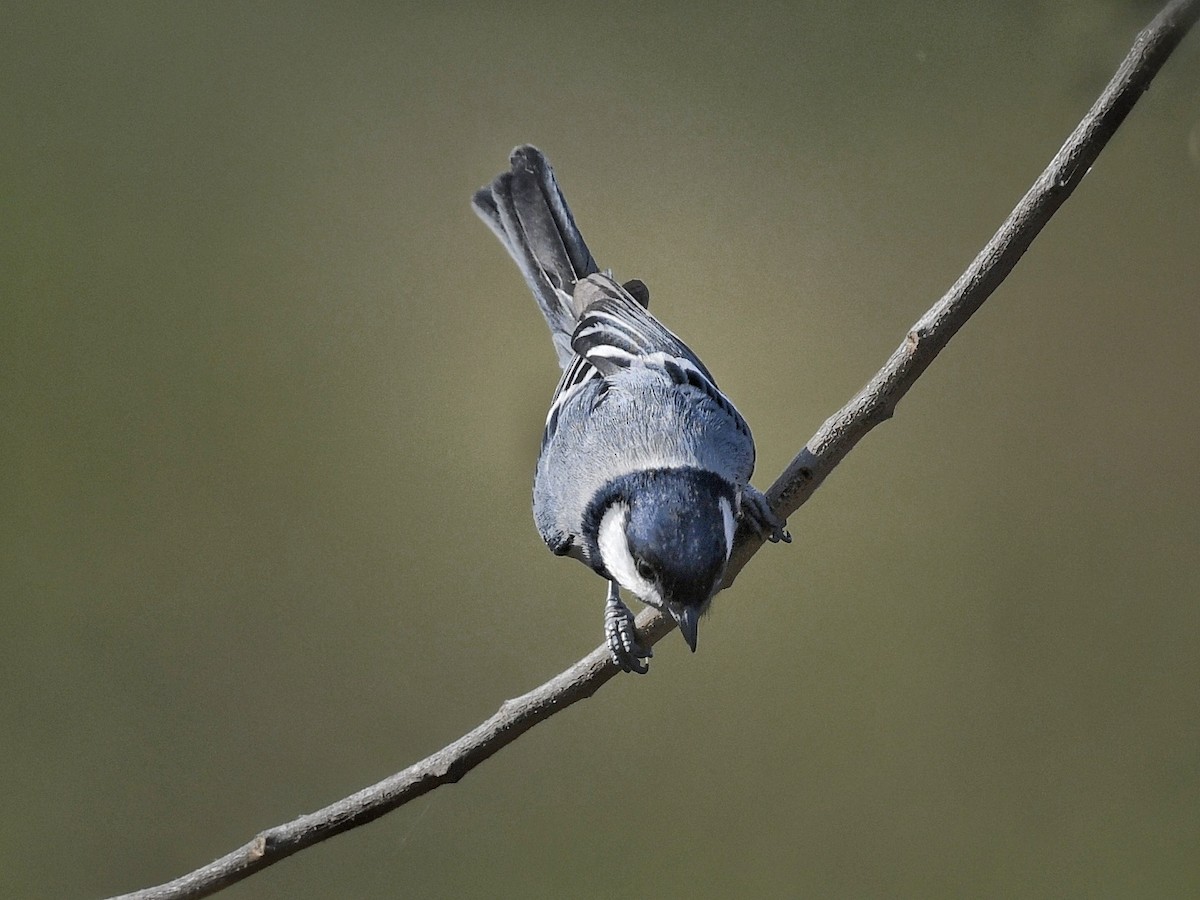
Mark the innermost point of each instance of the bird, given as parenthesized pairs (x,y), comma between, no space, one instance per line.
(644,468)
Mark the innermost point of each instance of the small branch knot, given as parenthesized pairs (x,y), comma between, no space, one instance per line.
(915,336)
(258,846)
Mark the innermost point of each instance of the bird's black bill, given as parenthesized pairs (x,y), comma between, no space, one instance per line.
(689,625)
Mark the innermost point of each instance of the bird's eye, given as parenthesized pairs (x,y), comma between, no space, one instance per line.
(645,569)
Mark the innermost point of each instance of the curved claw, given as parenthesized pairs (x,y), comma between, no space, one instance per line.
(757,512)
(621,634)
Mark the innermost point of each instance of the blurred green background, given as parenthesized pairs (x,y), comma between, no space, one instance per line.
(272,397)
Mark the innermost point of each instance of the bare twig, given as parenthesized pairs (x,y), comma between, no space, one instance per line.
(874,404)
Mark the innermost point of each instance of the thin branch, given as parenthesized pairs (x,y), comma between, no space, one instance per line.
(874,404)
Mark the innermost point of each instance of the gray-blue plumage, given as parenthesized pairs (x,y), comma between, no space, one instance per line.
(602,431)
(645,464)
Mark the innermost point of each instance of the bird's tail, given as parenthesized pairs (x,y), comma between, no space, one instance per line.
(526,210)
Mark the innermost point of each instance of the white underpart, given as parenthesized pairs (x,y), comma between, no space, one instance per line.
(730,525)
(614,551)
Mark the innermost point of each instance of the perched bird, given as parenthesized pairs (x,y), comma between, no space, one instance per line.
(644,471)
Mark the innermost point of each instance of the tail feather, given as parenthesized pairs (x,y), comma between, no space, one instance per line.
(526,210)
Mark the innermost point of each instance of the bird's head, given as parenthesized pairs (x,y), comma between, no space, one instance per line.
(665,535)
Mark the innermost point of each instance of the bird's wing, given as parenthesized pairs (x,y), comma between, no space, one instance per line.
(616,333)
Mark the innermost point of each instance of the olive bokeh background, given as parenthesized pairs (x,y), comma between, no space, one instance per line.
(272,397)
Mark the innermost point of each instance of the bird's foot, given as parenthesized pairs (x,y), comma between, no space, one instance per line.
(621,634)
(757,513)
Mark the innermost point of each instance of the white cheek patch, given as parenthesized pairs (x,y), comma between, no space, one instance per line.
(614,551)
(730,525)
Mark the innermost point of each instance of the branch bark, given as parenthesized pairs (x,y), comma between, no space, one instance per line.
(874,404)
